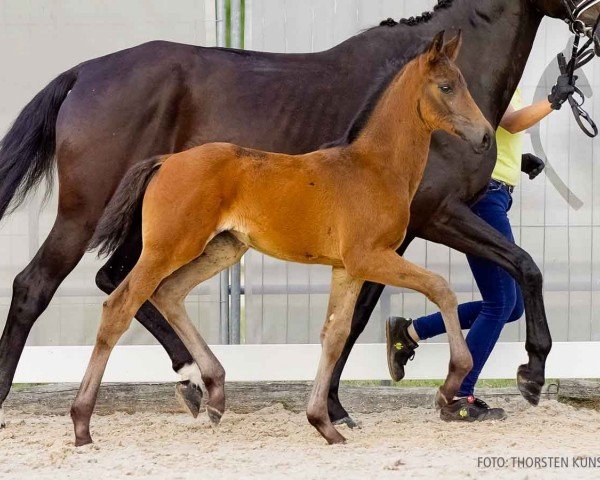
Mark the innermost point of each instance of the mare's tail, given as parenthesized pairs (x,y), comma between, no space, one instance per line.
(119,215)
(27,149)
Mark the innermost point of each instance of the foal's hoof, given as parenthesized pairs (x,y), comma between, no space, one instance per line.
(335,438)
(530,389)
(214,415)
(190,396)
(348,421)
(440,400)
(2,420)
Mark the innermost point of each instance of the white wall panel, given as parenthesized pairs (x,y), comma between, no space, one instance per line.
(561,239)
(38,40)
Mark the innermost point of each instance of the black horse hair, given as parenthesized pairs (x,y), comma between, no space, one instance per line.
(424,17)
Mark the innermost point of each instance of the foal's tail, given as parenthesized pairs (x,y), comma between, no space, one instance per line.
(27,149)
(121,212)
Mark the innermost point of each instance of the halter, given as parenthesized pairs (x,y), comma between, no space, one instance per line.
(576,11)
(579,57)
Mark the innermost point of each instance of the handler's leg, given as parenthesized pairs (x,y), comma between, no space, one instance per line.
(462,230)
(344,291)
(485,319)
(222,252)
(498,289)
(403,335)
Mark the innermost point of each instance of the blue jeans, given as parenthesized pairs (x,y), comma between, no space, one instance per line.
(502,299)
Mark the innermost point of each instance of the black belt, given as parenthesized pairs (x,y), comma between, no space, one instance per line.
(509,188)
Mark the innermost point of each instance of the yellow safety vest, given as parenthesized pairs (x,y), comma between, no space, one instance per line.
(510,150)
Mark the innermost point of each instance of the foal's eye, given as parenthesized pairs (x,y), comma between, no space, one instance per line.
(446,89)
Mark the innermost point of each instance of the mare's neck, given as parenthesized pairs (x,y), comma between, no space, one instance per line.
(498,37)
(396,138)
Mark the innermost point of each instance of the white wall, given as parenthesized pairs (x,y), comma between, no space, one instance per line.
(564,241)
(38,40)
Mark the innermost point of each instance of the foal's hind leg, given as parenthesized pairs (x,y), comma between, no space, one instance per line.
(223,251)
(344,291)
(108,279)
(117,314)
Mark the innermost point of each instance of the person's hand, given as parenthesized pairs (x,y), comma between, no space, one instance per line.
(561,91)
(532,165)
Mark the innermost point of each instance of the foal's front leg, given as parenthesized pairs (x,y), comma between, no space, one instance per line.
(388,268)
(344,291)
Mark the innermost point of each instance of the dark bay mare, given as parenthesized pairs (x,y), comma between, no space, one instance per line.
(96,120)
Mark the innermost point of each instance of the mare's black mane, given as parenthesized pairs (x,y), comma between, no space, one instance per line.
(424,17)
(387,74)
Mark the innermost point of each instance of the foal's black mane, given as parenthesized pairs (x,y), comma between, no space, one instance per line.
(424,17)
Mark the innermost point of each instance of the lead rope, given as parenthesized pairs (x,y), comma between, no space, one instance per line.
(579,58)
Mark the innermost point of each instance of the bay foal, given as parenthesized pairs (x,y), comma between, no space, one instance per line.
(347,207)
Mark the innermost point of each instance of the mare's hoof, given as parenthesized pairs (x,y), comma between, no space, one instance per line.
(2,420)
(189,396)
(348,421)
(214,415)
(84,440)
(530,389)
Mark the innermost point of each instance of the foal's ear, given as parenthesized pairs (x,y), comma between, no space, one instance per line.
(436,47)
(452,48)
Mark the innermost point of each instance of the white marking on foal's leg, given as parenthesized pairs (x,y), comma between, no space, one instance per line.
(189,390)
(2,421)
(191,372)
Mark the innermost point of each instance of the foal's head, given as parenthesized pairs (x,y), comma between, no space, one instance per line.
(445,102)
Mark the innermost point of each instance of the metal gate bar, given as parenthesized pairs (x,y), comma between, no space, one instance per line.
(231,279)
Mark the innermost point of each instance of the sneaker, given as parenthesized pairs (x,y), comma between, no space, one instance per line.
(470,409)
(400,347)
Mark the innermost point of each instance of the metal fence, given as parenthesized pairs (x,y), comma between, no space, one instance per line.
(283,302)
(38,40)
(287,302)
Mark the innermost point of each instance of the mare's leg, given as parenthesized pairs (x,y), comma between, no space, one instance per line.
(344,291)
(35,286)
(388,268)
(367,299)
(459,228)
(117,314)
(109,277)
(222,252)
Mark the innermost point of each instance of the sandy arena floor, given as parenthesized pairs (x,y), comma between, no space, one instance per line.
(274,443)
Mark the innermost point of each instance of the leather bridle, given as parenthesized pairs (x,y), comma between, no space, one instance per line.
(579,57)
(576,10)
